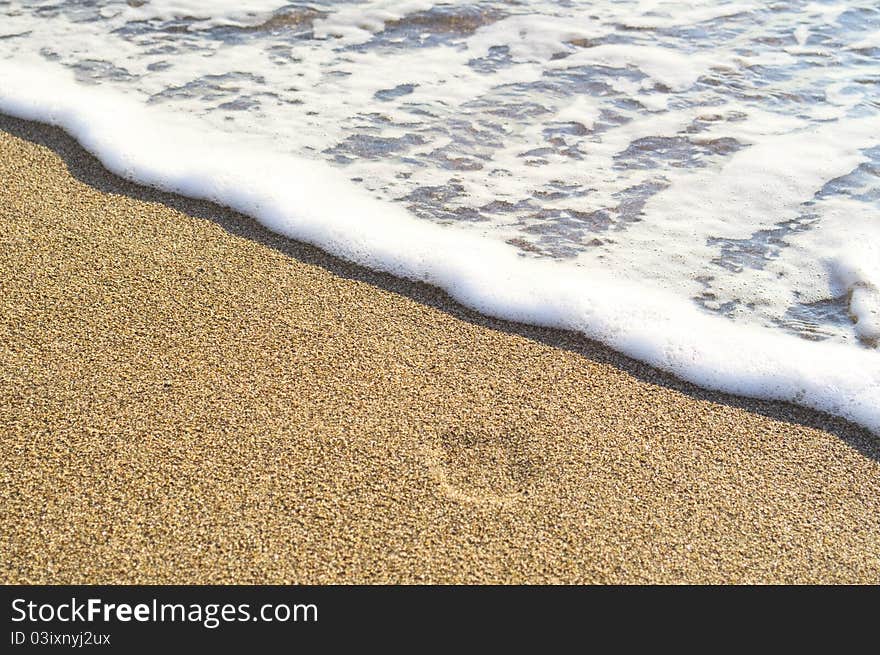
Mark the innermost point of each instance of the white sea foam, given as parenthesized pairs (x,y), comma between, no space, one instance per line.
(700,193)
(357,22)
(675,70)
(207,15)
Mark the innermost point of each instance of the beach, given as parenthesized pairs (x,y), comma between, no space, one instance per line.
(189,398)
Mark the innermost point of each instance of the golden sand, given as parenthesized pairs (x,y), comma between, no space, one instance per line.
(185,397)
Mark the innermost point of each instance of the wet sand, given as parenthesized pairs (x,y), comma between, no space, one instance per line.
(185,397)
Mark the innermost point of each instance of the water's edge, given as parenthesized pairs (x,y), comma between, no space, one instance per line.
(311,202)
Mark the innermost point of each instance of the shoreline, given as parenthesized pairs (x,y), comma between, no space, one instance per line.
(189,397)
(656,328)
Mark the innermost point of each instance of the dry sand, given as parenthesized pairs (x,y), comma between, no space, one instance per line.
(185,397)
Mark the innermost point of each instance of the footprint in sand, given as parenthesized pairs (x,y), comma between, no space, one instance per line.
(484,466)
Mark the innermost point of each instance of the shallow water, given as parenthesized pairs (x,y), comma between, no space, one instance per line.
(721,156)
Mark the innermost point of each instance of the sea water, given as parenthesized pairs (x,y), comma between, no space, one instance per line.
(695,184)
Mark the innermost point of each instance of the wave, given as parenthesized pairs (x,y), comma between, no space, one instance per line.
(315,202)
